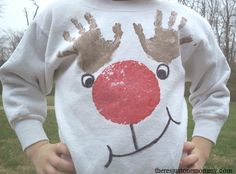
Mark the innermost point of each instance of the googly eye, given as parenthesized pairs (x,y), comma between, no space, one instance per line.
(163,71)
(87,80)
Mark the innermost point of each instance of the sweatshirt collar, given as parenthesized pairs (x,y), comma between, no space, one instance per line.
(120,5)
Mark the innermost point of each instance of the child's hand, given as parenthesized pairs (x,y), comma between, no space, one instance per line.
(192,158)
(47,158)
(197,153)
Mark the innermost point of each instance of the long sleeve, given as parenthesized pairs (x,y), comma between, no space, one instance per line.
(207,70)
(25,83)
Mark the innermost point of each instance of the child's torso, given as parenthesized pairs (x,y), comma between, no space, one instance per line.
(120,88)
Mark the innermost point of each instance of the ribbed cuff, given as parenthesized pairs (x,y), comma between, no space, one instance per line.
(208,128)
(29,132)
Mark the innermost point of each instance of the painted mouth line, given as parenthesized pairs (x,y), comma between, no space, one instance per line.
(111,155)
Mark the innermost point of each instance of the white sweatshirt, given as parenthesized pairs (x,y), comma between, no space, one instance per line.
(119,69)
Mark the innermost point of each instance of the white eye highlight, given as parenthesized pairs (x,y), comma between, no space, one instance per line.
(163,71)
(87,80)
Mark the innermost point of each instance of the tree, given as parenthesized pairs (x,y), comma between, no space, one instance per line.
(35,12)
(10,39)
(1,37)
(229,19)
(8,43)
(221,15)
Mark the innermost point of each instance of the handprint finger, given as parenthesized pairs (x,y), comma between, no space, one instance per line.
(78,25)
(185,40)
(118,34)
(139,31)
(91,21)
(117,30)
(66,53)
(182,23)
(158,21)
(67,36)
(172,19)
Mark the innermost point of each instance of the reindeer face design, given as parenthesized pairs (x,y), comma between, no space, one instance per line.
(126,92)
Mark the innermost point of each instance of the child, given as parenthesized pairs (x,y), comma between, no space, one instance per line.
(119,69)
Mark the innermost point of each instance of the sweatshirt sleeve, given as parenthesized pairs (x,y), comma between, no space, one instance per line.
(25,83)
(208,71)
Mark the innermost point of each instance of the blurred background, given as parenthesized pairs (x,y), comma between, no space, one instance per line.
(16,16)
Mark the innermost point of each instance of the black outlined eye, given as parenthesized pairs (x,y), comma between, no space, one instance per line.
(87,80)
(163,71)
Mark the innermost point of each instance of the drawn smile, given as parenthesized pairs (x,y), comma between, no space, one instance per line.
(139,149)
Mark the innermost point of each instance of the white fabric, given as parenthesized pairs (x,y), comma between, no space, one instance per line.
(35,67)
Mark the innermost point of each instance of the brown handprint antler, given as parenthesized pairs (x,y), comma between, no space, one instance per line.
(92,50)
(164,46)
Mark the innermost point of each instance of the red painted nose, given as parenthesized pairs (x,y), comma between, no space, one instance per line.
(126,92)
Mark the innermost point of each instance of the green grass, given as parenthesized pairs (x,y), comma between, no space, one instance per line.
(232,82)
(13,160)
(50,100)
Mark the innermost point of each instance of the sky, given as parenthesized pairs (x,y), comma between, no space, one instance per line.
(13,16)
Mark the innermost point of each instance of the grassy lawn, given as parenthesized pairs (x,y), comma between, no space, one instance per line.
(13,161)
